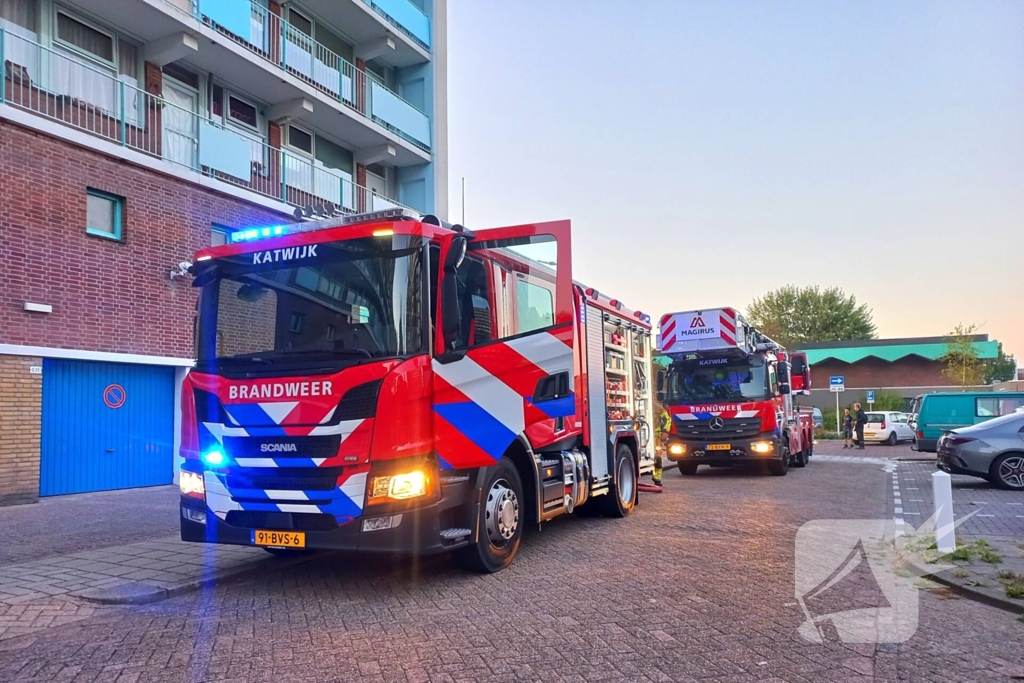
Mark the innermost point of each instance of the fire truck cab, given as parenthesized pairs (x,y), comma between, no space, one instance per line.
(729,390)
(388,382)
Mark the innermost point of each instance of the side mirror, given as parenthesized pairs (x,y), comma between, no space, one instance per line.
(784,373)
(451,316)
(784,389)
(661,397)
(661,382)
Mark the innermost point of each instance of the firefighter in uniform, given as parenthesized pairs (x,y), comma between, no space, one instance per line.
(661,443)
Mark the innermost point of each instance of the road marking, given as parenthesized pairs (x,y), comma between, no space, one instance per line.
(912,513)
(1015,503)
(986,515)
(913,488)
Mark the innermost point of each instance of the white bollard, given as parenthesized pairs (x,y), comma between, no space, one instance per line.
(942,494)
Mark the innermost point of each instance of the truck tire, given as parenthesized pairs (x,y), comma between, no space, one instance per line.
(500,524)
(780,467)
(687,469)
(800,460)
(621,497)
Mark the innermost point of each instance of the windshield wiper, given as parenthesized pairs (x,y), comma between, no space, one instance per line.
(333,352)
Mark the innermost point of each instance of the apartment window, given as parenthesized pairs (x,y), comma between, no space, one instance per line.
(219,235)
(103,214)
(242,112)
(300,22)
(331,332)
(296,323)
(300,139)
(85,38)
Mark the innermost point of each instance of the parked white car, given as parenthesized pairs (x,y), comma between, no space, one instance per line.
(888,428)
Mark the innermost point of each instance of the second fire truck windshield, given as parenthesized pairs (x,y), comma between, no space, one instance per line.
(340,302)
(693,382)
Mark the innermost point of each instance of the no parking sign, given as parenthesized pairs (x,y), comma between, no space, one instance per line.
(114,396)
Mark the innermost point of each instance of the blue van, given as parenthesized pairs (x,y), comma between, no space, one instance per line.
(938,413)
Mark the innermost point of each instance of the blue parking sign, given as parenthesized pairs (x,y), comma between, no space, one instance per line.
(871,397)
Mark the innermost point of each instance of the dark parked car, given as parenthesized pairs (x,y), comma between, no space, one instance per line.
(993,450)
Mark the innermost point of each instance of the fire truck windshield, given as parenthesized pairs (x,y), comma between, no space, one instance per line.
(337,302)
(708,381)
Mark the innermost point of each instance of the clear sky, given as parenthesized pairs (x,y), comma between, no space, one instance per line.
(709,151)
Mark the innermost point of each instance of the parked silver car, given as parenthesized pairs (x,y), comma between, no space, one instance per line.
(993,450)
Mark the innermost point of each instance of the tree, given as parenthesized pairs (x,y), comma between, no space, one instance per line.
(794,315)
(963,367)
(1002,368)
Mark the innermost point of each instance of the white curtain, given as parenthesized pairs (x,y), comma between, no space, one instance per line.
(128,70)
(84,83)
(18,18)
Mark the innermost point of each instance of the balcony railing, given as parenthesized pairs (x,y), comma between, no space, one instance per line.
(66,89)
(406,17)
(275,40)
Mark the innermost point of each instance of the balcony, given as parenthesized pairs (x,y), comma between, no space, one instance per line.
(74,93)
(366,20)
(226,28)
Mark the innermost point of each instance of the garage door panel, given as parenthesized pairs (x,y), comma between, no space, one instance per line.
(105,426)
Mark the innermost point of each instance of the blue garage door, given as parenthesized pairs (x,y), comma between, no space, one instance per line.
(105,426)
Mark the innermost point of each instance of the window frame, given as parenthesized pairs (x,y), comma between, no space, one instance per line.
(528,281)
(60,42)
(998,401)
(311,154)
(118,201)
(230,120)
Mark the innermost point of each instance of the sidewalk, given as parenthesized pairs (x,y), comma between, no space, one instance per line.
(989,562)
(74,554)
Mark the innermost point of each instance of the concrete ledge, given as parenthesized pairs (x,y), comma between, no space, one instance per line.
(143,593)
(977,593)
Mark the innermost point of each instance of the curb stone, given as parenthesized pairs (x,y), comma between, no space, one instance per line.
(141,593)
(976,593)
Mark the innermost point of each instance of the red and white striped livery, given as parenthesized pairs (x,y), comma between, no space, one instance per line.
(707,330)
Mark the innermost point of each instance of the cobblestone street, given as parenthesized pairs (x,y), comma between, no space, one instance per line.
(696,585)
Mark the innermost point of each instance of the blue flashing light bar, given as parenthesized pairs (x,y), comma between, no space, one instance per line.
(251,234)
(215,458)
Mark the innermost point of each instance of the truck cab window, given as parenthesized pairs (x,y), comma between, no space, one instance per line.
(474,304)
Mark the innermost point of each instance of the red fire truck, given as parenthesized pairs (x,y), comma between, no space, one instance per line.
(388,382)
(729,390)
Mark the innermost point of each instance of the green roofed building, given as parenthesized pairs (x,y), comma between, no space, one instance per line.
(909,367)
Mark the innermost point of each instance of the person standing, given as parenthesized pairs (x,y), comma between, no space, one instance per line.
(862,419)
(847,429)
(660,444)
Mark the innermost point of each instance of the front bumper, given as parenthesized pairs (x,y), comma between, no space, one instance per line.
(738,453)
(419,531)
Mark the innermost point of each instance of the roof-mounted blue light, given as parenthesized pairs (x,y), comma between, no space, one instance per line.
(257,233)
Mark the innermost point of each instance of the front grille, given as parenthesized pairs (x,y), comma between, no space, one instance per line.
(287,521)
(284,479)
(734,428)
(305,446)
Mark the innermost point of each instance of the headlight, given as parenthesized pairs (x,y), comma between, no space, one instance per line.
(677,449)
(400,486)
(762,447)
(191,484)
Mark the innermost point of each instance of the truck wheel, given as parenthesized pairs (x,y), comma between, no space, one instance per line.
(501,522)
(891,441)
(780,467)
(801,459)
(621,498)
(687,469)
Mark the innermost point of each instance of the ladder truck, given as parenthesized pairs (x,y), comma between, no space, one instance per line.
(729,390)
(388,382)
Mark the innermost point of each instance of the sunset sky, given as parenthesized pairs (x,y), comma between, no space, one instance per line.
(707,152)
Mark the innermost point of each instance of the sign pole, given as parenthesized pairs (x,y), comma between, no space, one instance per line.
(838,430)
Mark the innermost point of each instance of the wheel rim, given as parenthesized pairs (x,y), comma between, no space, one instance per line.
(627,482)
(1011,471)
(502,512)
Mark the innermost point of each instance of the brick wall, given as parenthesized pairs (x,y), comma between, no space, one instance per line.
(873,373)
(21,399)
(106,295)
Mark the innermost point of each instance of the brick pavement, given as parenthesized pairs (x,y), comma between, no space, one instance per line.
(998,512)
(65,524)
(696,585)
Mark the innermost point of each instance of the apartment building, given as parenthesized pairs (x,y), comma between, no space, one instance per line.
(132,133)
